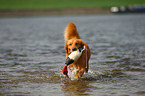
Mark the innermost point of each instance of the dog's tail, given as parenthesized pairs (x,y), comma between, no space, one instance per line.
(71,32)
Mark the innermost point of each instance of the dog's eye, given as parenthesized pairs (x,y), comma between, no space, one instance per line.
(70,44)
(76,43)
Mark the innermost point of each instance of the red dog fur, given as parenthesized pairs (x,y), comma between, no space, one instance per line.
(73,41)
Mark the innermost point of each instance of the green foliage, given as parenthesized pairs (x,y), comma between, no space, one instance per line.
(60,4)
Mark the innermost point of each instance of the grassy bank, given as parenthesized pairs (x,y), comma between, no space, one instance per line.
(57,7)
(62,4)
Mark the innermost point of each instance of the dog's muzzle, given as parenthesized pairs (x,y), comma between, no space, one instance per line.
(74,56)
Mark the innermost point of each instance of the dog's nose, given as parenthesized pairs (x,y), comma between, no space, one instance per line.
(74,49)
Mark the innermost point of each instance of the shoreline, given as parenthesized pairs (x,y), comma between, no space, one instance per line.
(53,12)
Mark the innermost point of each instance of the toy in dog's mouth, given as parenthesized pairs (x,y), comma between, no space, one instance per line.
(74,56)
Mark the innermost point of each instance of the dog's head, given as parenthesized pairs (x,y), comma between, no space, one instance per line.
(72,45)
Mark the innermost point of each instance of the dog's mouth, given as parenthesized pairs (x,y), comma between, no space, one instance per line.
(74,56)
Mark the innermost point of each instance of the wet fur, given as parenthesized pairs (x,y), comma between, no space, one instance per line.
(72,39)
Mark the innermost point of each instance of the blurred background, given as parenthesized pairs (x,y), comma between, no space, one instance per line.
(57,7)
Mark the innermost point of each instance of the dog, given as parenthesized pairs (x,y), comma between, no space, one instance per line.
(72,43)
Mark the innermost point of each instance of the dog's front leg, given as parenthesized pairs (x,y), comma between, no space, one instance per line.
(80,73)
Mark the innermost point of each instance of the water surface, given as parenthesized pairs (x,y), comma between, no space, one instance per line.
(32,55)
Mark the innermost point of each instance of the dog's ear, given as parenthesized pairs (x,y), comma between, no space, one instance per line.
(82,43)
(66,47)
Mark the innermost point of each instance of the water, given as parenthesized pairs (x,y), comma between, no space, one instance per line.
(32,55)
